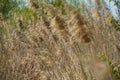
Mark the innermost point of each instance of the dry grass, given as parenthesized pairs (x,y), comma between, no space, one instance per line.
(63,48)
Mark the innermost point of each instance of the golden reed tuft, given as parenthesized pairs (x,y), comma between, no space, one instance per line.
(59,28)
(78,17)
(59,23)
(33,4)
(20,24)
(78,28)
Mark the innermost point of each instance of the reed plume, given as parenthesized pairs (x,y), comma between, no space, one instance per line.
(77,28)
(33,4)
(59,23)
(59,27)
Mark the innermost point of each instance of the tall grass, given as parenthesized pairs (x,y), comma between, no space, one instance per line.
(58,46)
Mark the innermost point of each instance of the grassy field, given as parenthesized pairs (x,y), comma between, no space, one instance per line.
(59,44)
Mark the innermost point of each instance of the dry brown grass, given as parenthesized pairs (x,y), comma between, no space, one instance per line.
(58,49)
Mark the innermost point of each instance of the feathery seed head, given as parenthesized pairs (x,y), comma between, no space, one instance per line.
(33,4)
(77,18)
(58,23)
(20,24)
(85,38)
(55,38)
(80,33)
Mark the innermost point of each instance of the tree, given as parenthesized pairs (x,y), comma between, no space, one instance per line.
(8,6)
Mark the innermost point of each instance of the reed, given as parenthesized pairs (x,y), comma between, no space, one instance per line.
(58,47)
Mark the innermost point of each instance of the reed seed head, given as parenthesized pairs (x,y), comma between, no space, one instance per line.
(60,23)
(33,4)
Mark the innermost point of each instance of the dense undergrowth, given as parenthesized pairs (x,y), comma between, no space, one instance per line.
(56,42)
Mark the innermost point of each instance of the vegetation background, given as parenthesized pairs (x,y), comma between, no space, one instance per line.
(59,40)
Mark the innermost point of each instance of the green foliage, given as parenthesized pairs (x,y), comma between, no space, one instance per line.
(102,57)
(115,23)
(59,4)
(116,2)
(6,6)
(27,13)
(115,70)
